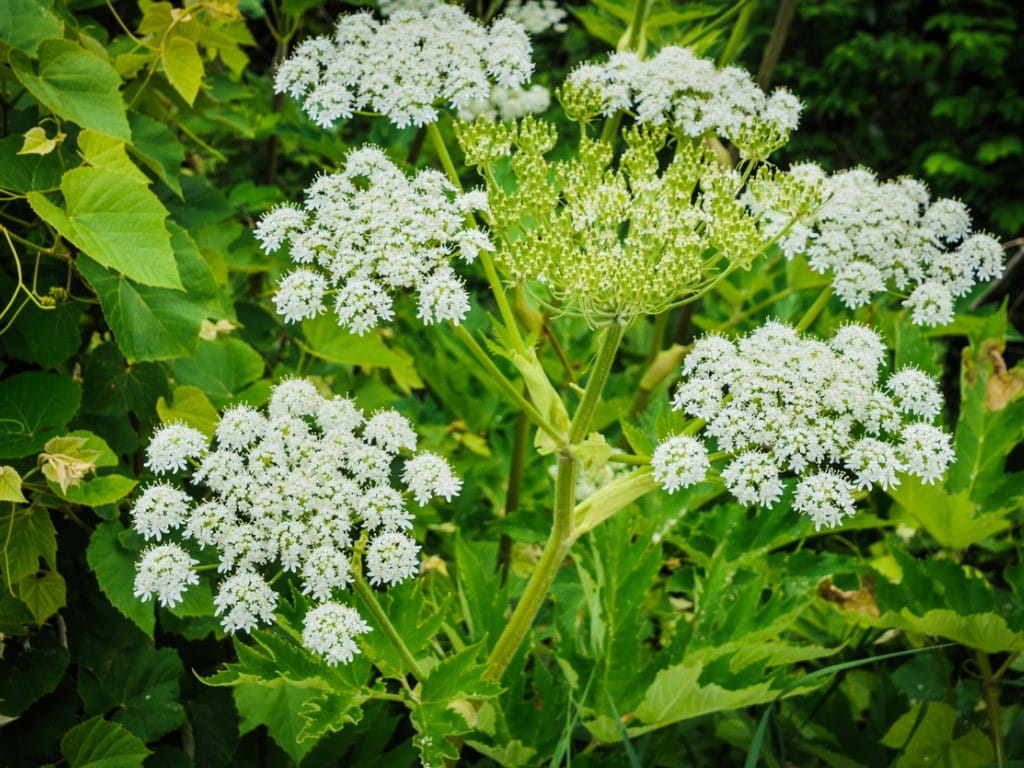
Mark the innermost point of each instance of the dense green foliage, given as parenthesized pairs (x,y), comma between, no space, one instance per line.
(140,141)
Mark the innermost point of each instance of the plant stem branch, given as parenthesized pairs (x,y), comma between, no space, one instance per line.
(783,20)
(990,692)
(815,309)
(370,601)
(595,383)
(507,386)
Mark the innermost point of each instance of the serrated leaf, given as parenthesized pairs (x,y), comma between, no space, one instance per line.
(987,632)
(10,485)
(25,23)
(102,151)
(189,405)
(34,407)
(138,688)
(326,340)
(76,84)
(35,142)
(43,594)
(30,671)
(115,220)
(23,173)
(99,491)
(952,519)
(157,147)
(184,67)
(221,368)
(931,741)
(28,535)
(98,743)
(114,566)
(444,708)
(276,707)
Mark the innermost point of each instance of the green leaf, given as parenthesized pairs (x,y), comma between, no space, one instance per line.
(141,685)
(326,340)
(34,407)
(932,742)
(156,146)
(10,486)
(276,707)
(114,566)
(100,490)
(115,220)
(148,323)
(36,142)
(28,536)
(23,173)
(43,594)
(952,519)
(59,326)
(24,23)
(221,368)
(76,84)
(184,67)
(191,406)
(98,743)
(30,671)
(102,151)
(444,708)
(987,632)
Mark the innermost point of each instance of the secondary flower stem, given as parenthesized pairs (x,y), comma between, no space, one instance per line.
(990,693)
(507,386)
(595,383)
(369,599)
(507,316)
(815,309)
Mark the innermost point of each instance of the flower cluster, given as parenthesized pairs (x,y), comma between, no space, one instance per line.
(405,66)
(373,232)
(508,104)
(875,236)
(537,16)
(693,96)
(776,402)
(614,239)
(302,489)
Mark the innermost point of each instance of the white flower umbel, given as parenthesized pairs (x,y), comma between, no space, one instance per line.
(369,233)
(165,572)
(693,96)
(172,446)
(301,489)
(508,103)
(537,16)
(331,629)
(777,402)
(888,235)
(404,67)
(679,462)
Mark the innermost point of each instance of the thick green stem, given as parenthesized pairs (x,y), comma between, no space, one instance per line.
(595,383)
(990,692)
(562,535)
(544,572)
(515,482)
(815,309)
(370,601)
(634,39)
(507,386)
(739,31)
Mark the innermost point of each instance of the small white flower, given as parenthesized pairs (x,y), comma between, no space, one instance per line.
(244,602)
(331,629)
(300,295)
(855,283)
(160,508)
(206,522)
(874,462)
(679,462)
(172,446)
(926,450)
(916,392)
(278,225)
(390,430)
(239,427)
(294,398)
(428,475)
(166,572)
(930,304)
(391,557)
(825,497)
(383,507)
(325,570)
(753,478)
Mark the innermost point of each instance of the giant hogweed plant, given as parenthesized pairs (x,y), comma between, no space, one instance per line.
(533,263)
(304,511)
